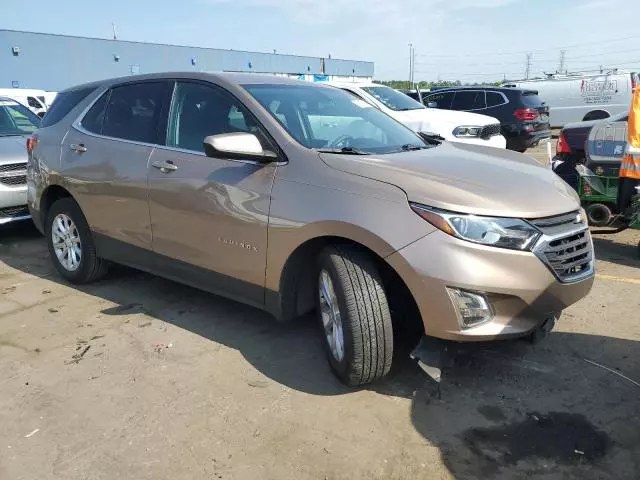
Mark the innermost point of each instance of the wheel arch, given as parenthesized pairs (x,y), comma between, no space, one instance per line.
(597,114)
(49,196)
(297,283)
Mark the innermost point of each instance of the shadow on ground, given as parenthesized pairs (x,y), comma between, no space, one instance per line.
(609,249)
(507,410)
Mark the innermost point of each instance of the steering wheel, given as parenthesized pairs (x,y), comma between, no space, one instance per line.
(342,141)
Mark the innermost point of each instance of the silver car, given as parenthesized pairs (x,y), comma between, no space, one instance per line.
(16,124)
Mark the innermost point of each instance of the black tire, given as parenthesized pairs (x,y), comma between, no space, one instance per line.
(364,312)
(91,266)
(599,214)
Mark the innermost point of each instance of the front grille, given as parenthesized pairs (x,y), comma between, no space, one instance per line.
(565,246)
(13,181)
(10,167)
(490,130)
(19,211)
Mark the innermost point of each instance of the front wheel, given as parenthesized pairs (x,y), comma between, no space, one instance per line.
(354,315)
(70,243)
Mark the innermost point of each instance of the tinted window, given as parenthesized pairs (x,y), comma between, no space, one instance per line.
(33,103)
(443,100)
(531,99)
(200,110)
(16,119)
(134,110)
(392,99)
(330,119)
(92,121)
(63,104)
(494,99)
(479,103)
(464,100)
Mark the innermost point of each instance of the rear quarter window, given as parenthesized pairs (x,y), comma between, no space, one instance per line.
(494,99)
(63,104)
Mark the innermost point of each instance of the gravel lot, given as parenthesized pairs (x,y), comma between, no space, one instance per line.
(139,377)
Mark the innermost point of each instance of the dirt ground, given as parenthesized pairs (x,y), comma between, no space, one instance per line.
(139,377)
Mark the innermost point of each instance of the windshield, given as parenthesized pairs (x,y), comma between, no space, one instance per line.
(328,119)
(392,99)
(16,119)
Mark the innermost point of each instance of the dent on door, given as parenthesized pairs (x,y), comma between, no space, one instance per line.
(212,214)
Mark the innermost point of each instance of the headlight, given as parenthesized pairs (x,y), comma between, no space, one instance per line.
(510,233)
(467,131)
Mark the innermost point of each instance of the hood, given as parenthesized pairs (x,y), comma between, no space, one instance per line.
(467,178)
(13,149)
(442,122)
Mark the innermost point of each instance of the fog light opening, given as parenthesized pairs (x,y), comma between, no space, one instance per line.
(473,308)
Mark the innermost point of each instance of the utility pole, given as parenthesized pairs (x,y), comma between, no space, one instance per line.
(411,57)
(413,69)
(561,64)
(527,70)
(113,26)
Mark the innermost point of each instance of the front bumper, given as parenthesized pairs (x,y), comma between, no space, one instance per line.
(497,141)
(13,204)
(522,290)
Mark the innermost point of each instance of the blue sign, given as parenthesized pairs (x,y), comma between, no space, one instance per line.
(15,84)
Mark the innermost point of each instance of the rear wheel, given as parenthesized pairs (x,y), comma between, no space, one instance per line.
(71,245)
(599,214)
(354,315)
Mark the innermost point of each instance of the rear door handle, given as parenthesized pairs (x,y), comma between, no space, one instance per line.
(80,148)
(165,167)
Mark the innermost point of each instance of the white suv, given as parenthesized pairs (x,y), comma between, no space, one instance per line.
(451,125)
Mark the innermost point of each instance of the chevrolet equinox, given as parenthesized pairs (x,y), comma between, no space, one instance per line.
(291,197)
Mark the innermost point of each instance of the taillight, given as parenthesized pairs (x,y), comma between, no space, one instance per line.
(526,114)
(562,146)
(32,141)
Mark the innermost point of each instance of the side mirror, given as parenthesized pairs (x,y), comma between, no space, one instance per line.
(240,146)
(432,104)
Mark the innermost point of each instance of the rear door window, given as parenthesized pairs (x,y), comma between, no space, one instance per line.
(63,104)
(494,99)
(442,100)
(134,110)
(479,103)
(464,100)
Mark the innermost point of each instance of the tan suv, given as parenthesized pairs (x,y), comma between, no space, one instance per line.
(292,196)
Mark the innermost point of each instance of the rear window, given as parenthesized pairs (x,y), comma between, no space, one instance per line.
(63,104)
(531,99)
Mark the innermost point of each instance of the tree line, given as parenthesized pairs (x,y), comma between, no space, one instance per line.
(406,85)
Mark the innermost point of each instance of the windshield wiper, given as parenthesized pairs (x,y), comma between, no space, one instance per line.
(343,150)
(412,146)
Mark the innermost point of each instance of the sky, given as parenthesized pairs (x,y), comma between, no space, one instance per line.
(467,40)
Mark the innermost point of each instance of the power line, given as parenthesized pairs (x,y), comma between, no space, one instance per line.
(520,52)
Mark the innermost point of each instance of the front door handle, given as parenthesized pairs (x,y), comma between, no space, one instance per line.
(80,148)
(165,167)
